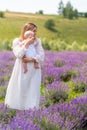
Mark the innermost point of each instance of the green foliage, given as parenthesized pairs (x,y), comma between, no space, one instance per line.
(59,45)
(1,14)
(7,45)
(67,11)
(5,78)
(8,116)
(42,90)
(48,102)
(62,45)
(1,47)
(67,32)
(59,96)
(84,47)
(59,63)
(2,100)
(69,48)
(49,79)
(45,125)
(39,12)
(75,46)
(56,95)
(2,92)
(61,7)
(67,76)
(54,46)
(73,94)
(50,24)
(75,13)
(45,44)
(79,87)
(86,14)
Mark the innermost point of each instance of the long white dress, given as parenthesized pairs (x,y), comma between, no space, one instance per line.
(23,91)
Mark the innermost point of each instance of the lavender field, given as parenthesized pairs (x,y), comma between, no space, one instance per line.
(63,104)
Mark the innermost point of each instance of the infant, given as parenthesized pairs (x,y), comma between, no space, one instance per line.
(31,51)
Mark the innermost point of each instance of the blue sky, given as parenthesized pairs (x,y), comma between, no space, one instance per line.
(32,6)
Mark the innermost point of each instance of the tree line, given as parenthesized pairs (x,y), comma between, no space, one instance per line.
(69,12)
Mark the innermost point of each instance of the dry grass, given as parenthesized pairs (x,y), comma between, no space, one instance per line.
(26,15)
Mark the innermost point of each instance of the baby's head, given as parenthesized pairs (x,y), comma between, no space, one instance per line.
(28,34)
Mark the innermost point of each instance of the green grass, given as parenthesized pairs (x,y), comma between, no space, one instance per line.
(2,93)
(1,100)
(68,30)
(11,25)
(72,94)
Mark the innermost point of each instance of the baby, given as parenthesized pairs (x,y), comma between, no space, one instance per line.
(31,51)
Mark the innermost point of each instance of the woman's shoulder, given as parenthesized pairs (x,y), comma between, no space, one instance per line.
(38,40)
(16,41)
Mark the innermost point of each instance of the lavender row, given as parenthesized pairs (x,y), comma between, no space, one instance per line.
(60,72)
(59,116)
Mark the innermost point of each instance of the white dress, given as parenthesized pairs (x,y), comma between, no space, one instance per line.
(31,51)
(23,91)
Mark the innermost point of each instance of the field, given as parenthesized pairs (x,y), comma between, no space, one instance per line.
(63,103)
(63,93)
(68,30)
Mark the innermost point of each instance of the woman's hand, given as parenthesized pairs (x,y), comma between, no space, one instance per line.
(26,60)
(29,41)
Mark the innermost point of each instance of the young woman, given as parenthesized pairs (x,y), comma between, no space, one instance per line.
(23,91)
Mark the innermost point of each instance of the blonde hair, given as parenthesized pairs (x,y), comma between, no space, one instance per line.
(27,26)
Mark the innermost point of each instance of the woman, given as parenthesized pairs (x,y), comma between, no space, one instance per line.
(23,91)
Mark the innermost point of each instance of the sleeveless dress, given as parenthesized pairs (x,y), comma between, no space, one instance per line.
(23,90)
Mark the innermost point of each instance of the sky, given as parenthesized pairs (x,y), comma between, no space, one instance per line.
(33,6)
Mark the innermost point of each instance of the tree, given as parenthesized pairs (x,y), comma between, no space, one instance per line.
(39,12)
(75,13)
(86,14)
(81,14)
(68,10)
(1,14)
(61,7)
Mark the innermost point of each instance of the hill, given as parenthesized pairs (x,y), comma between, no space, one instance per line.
(68,30)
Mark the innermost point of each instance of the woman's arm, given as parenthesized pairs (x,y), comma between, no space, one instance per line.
(40,52)
(29,41)
(18,51)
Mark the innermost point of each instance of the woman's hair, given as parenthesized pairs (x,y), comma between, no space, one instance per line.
(27,26)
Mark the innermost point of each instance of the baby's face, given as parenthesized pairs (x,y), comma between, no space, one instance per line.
(28,34)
